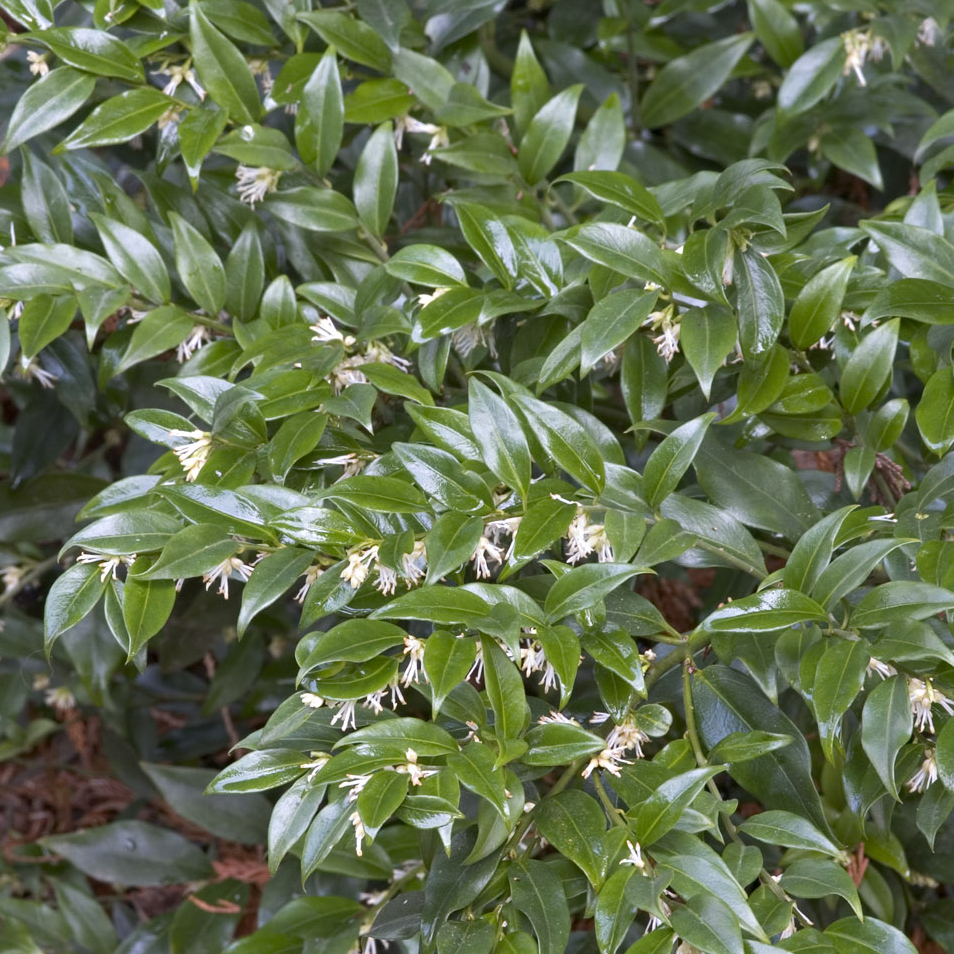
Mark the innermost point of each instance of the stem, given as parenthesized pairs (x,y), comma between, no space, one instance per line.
(612,811)
(773,549)
(695,641)
(565,210)
(691,729)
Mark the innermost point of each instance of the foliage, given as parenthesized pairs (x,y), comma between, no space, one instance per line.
(532,426)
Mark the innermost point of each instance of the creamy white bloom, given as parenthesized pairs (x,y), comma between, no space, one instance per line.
(325,330)
(31,370)
(312,700)
(108,566)
(926,775)
(386,582)
(414,650)
(359,565)
(417,773)
(353,462)
(414,564)
(223,573)
(199,336)
(857,44)
(627,737)
(635,856)
(923,696)
(609,759)
(38,63)
(486,551)
(346,713)
(255,182)
(177,76)
(876,667)
(578,542)
(356,784)
(11,576)
(426,298)
(359,832)
(60,699)
(666,328)
(311,577)
(193,454)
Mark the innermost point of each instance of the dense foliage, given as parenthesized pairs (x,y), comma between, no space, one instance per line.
(529,425)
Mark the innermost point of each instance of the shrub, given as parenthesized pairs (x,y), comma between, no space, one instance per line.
(530,426)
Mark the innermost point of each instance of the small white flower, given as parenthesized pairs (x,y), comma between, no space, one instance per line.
(31,370)
(386,583)
(558,717)
(414,650)
(635,856)
(378,353)
(359,565)
(414,564)
(312,700)
(177,76)
(471,336)
(262,69)
(11,576)
(923,695)
(578,542)
(311,577)
(359,832)
(477,669)
(255,182)
(193,454)
(876,667)
(438,135)
(666,329)
(353,463)
(197,337)
(609,759)
(318,761)
(109,566)
(38,63)
(928,32)
(416,772)
(926,775)
(356,784)
(325,330)
(60,699)
(532,657)
(346,713)
(486,551)
(597,540)
(223,573)
(627,737)
(857,45)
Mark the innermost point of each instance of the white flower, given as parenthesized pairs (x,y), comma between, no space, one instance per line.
(578,543)
(311,577)
(928,32)
(378,353)
(477,669)
(559,717)
(375,701)
(857,45)
(414,650)
(197,337)
(387,580)
(416,772)
(11,576)
(926,775)
(318,762)
(262,69)
(471,336)
(438,135)
(597,540)
(353,463)
(177,76)
(414,564)
(193,454)
(879,668)
(486,551)
(609,759)
(324,331)
(224,571)
(255,182)
(532,657)
(923,695)
(311,700)
(635,856)
(60,699)
(348,372)
(31,370)
(359,832)
(496,529)
(359,565)
(627,736)
(664,324)
(425,299)
(109,566)
(38,63)
(356,784)
(346,713)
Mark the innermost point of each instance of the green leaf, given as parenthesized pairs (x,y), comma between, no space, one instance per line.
(542,524)
(319,124)
(193,551)
(819,878)
(759,302)
(159,331)
(813,551)
(870,936)
(198,131)
(529,89)
(199,267)
(622,249)
(584,586)
(147,605)
(353,39)
(258,772)
(548,135)
(790,831)
(886,725)
(537,890)
(498,434)
(602,142)
(707,336)
(558,743)
(661,812)
(135,258)
(426,738)
(132,853)
(381,797)
(839,677)
(818,305)
(447,661)
(315,210)
(869,367)
(672,458)
(574,824)
(490,240)
(384,494)
(428,265)
(49,101)
(935,411)
(708,924)
(682,84)
(617,189)
(898,600)
(475,769)
(91,929)
(850,570)
(270,580)
(43,320)
(765,612)
(450,543)
(812,75)
(728,701)
(777,30)
(504,689)
(611,322)
(439,475)
(222,69)
(376,179)
(354,640)
(94,51)
(850,149)
(915,252)
(118,119)
(73,594)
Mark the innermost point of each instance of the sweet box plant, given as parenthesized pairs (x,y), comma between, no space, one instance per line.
(511,451)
